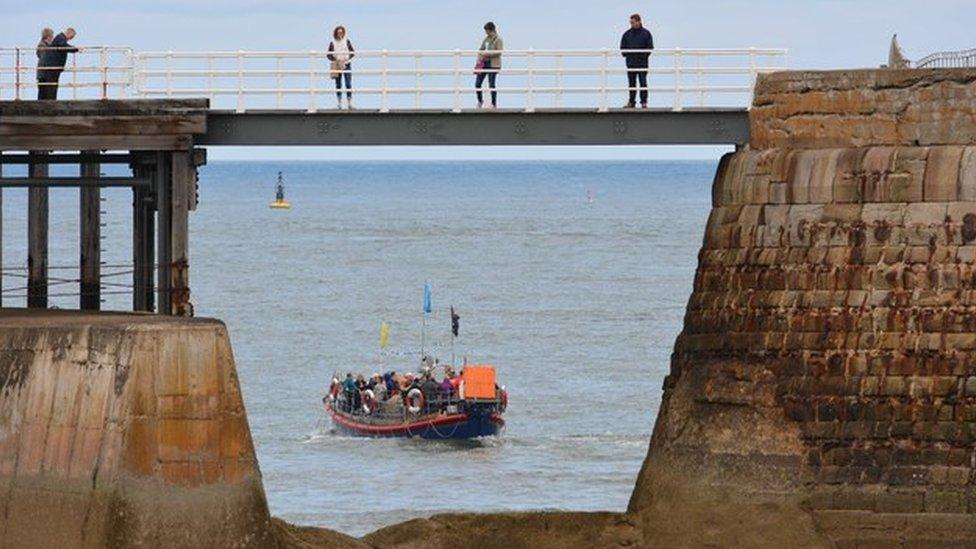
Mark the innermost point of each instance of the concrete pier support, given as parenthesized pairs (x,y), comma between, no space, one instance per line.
(124,431)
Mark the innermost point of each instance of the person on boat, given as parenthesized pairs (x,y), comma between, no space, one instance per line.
(430,388)
(391,384)
(447,388)
(361,382)
(456,382)
(379,388)
(350,391)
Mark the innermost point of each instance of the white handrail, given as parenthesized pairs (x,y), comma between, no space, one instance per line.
(402,79)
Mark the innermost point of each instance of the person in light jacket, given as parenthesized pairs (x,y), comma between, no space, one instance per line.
(636,38)
(341,53)
(52,62)
(489,64)
(47,36)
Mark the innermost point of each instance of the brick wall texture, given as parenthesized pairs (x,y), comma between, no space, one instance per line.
(827,365)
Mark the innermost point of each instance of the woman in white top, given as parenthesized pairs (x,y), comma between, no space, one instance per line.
(341,53)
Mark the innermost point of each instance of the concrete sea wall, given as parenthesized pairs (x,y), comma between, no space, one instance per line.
(823,389)
(124,430)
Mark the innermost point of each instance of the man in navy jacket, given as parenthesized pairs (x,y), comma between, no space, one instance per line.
(636,38)
(52,64)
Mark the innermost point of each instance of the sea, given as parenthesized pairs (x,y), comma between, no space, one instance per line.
(570,277)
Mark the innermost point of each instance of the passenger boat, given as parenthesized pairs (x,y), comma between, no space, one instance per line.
(475,411)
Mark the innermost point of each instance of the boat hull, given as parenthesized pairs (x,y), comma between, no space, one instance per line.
(447,427)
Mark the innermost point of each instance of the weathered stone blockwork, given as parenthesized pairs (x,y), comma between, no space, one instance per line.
(124,430)
(827,366)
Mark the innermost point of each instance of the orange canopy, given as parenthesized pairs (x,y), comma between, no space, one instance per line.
(479,381)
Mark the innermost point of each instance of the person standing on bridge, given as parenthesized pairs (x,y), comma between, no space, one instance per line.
(341,53)
(488,64)
(47,36)
(52,64)
(636,38)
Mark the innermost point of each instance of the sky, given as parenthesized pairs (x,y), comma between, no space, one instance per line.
(819,34)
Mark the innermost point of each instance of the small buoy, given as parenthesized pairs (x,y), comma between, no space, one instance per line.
(279,202)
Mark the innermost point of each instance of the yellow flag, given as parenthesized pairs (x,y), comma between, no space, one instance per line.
(384,334)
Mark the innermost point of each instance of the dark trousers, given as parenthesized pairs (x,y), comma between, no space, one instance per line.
(347,76)
(480,79)
(47,85)
(633,75)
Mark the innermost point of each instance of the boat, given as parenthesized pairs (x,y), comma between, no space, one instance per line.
(474,411)
(279,202)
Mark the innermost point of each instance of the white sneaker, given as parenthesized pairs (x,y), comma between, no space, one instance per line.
(349,105)
(481,105)
(339,104)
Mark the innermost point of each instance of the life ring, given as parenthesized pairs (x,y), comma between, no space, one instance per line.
(334,388)
(504,395)
(414,401)
(369,401)
(461,390)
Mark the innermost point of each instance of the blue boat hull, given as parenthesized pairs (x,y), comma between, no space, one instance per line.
(458,426)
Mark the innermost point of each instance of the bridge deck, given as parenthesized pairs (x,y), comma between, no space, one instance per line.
(479,127)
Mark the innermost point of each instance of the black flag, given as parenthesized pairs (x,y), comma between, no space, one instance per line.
(455,322)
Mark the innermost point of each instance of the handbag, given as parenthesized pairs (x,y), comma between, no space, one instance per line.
(479,65)
(336,68)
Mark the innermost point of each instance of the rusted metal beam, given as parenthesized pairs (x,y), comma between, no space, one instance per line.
(70,158)
(164,232)
(70,182)
(183,184)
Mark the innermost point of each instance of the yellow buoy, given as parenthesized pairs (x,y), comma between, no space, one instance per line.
(279,202)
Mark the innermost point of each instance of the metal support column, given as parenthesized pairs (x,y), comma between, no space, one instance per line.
(37,236)
(143,242)
(164,232)
(91,235)
(183,182)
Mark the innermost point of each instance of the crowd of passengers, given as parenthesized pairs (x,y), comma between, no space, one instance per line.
(389,389)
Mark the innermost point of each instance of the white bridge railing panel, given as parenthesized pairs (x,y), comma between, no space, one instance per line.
(396,80)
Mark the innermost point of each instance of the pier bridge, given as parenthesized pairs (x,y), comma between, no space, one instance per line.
(154,111)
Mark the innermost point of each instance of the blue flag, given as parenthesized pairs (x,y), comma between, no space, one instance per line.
(428,301)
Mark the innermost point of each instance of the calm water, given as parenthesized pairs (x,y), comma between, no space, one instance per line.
(576,301)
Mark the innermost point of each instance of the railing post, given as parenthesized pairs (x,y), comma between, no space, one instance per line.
(311,81)
(103,59)
(384,99)
(603,81)
(169,74)
(752,75)
(240,82)
(210,78)
(457,80)
(278,79)
(698,81)
(677,80)
(17,70)
(74,76)
(416,68)
(558,98)
(531,105)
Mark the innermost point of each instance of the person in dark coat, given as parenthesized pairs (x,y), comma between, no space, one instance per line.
(47,36)
(636,38)
(52,64)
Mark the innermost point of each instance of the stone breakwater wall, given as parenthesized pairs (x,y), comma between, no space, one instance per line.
(826,372)
(124,430)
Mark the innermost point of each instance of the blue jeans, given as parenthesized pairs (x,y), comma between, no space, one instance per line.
(480,79)
(347,76)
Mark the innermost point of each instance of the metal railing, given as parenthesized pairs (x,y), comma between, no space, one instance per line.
(97,72)
(948,60)
(391,79)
